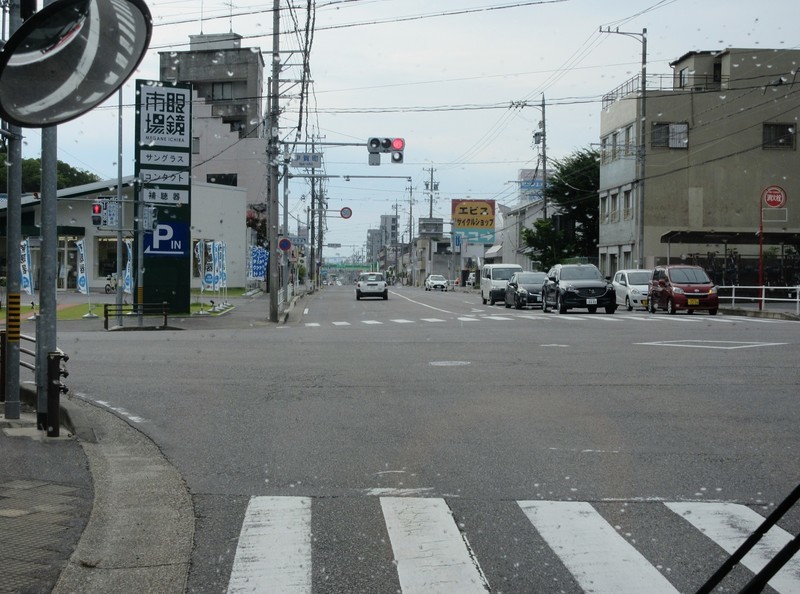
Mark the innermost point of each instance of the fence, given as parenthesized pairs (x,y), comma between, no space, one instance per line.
(137,310)
(50,418)
(765,297)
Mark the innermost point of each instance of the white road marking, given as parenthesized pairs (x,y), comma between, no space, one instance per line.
(728,345)
(729,525)
(372,322)
(465,319)
(340,323)
(432,320)
(498,318)
(274,551)
(312,324)
(431,553)
(403,321)
(599,558)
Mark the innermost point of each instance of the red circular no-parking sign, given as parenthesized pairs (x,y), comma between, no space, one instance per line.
(774,197)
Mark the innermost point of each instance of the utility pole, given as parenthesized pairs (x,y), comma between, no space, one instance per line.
(13,239)
(430,188)
(411,250)
(642,130)
(544,162)
(273,151)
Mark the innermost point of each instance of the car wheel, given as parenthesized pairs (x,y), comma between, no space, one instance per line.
(358,296)
(385,295)
(517,304)
(628,305)
(690,311)
(562,309)
(491,300)
(484,300)
(507,303)
(671,307)
(610,309)
(712,312)
(651,306)
(592,309)
(545,309)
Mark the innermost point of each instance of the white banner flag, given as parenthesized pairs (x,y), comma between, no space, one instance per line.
(26,276)
(83,283)
(127,285)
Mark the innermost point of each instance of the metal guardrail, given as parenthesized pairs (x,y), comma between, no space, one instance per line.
(138,310)
(761,296)
(50,419)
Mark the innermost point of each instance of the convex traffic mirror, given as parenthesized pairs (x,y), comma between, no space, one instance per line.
(70,57)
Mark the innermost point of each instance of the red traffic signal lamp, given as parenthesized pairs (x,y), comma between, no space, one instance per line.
(97,214)
(395,146)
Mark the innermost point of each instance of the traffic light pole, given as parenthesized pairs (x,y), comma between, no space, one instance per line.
(273,151)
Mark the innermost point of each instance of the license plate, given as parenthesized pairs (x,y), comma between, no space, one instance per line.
(694,302)
(591,302)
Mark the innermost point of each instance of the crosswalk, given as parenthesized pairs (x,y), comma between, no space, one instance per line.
(601,319)
(433,551)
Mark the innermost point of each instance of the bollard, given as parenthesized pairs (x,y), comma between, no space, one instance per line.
(54,390)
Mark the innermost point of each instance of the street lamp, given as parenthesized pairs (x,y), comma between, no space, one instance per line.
(641,38)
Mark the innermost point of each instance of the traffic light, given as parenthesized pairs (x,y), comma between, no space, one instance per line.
(97,213)
(398,145)
(395,146)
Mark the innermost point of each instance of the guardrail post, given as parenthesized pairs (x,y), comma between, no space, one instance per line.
(54,390)
(165,311)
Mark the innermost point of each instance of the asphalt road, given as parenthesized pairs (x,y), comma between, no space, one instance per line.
(434,397)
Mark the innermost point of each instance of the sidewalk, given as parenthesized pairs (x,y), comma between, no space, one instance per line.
(98,509)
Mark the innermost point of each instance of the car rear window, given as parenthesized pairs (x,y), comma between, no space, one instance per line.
(689,276)
(581,273)
(532,277)
(638,278)
(503,273)
(372,277)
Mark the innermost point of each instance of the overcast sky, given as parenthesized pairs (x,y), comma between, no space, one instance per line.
(460,80)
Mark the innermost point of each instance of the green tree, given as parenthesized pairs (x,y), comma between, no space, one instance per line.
(572,197)
(550,245)
(66,175)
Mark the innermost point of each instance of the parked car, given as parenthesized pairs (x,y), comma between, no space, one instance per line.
(435,282)
(682,287)
(630,287)
(494,278)
(372,284)
(524,289)
(577,285)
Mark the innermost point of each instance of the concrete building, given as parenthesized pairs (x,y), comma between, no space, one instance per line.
(716,137)
(218,213)
(228,141)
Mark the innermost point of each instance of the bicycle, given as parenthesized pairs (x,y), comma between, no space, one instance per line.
(111,283)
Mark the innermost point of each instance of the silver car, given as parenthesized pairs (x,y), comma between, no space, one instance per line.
(630,287)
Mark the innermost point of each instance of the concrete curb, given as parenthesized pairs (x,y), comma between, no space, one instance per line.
(774,315)
(140,532)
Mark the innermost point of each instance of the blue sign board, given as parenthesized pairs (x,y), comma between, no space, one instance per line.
(168,239)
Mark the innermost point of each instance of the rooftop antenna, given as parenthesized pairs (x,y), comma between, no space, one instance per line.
(230,16)
(201,17)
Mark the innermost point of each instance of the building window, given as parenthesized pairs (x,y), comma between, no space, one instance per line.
(195,145)
(221,90)
(627,199)
(629,141)
(674,135)
(614,146)
(106,250)
(222,179)
(614,214)
(604,150)
(683,78)
(603,209)
(779,136)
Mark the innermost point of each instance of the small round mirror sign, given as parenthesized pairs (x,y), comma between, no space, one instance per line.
(774,197)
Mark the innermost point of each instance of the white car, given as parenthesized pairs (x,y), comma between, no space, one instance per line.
(631,287)
(436,282)
(372,284)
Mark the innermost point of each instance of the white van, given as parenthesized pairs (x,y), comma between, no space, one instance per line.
(494,278)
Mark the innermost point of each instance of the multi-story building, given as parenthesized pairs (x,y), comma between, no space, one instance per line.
(691,188)
(228,142)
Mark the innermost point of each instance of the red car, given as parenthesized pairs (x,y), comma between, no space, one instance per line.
(682,287)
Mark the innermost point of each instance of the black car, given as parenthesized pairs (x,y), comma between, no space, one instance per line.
(524,289)
(578,285)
